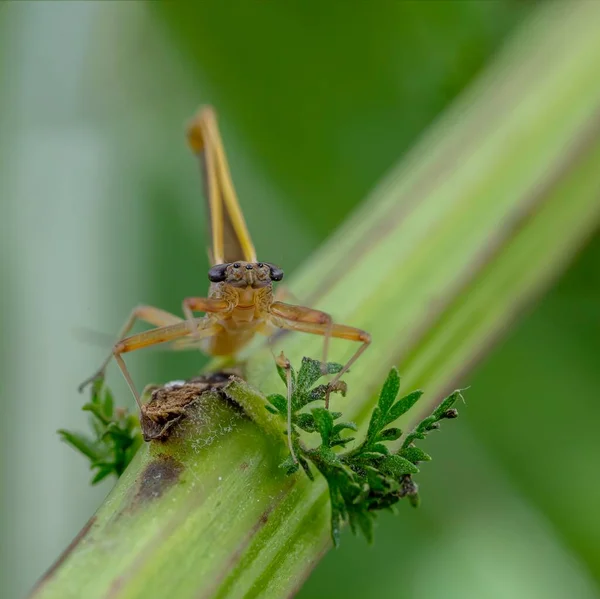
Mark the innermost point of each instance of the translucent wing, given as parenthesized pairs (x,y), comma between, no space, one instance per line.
(229,237)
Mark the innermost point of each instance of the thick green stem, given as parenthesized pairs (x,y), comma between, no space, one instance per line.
(454,244)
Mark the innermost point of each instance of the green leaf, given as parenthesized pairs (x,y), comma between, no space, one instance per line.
(397,466)
(389,391)
(341,441)
(289,465)
(306,422)
(389,434)
(324,423)
(414,454)
(81,442)
(97,410)
(333,367)
(446,404)
(108,403)
(329,459)
(97,390)
(279,401)
(379,448)
(306,467)
(368,456)
(104,471)
(403,405)
(375,424)
(309,374)
(340,426)
(336,524)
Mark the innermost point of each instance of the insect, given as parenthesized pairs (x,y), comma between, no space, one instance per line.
(240,301)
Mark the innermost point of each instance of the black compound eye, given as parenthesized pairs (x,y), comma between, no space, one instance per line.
(236,265)
(260,265)
(276,272)
(248,266)
(217,273)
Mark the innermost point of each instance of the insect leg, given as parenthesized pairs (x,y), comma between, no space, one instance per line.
(337,331)
(202,304)
(206,328)
(284,363)
(308,315)
(149,314)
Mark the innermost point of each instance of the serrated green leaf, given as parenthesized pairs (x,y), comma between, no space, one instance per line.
(425,424)
(446,404)
(380,448)
(324,423)
(403,405)
(333,367)
(330,459)
(289,465)
(279,401)
(82,443)
(389,434)
(414,454)
(368,456)
(340,426)
(341,441)
(306,467)
(397,466)
(306,422)
(315,394)
(308,375)
(389,391)
(375,424)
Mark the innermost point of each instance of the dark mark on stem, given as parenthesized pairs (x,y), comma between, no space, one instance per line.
(158,476)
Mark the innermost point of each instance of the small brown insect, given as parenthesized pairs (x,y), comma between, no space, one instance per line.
(240,300)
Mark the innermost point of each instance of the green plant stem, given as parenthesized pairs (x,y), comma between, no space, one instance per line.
(456,242)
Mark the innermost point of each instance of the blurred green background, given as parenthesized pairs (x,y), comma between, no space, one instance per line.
(100,209)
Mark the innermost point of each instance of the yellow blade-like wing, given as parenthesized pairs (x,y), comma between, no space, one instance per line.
(230,240)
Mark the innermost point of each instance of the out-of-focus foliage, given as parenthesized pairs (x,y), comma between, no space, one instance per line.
(115,438)
(317,100)
(329,96)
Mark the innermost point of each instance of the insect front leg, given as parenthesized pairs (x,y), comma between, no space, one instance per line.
(307,322)
(205,328)
(149,314)
(202,304)
(301,314)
